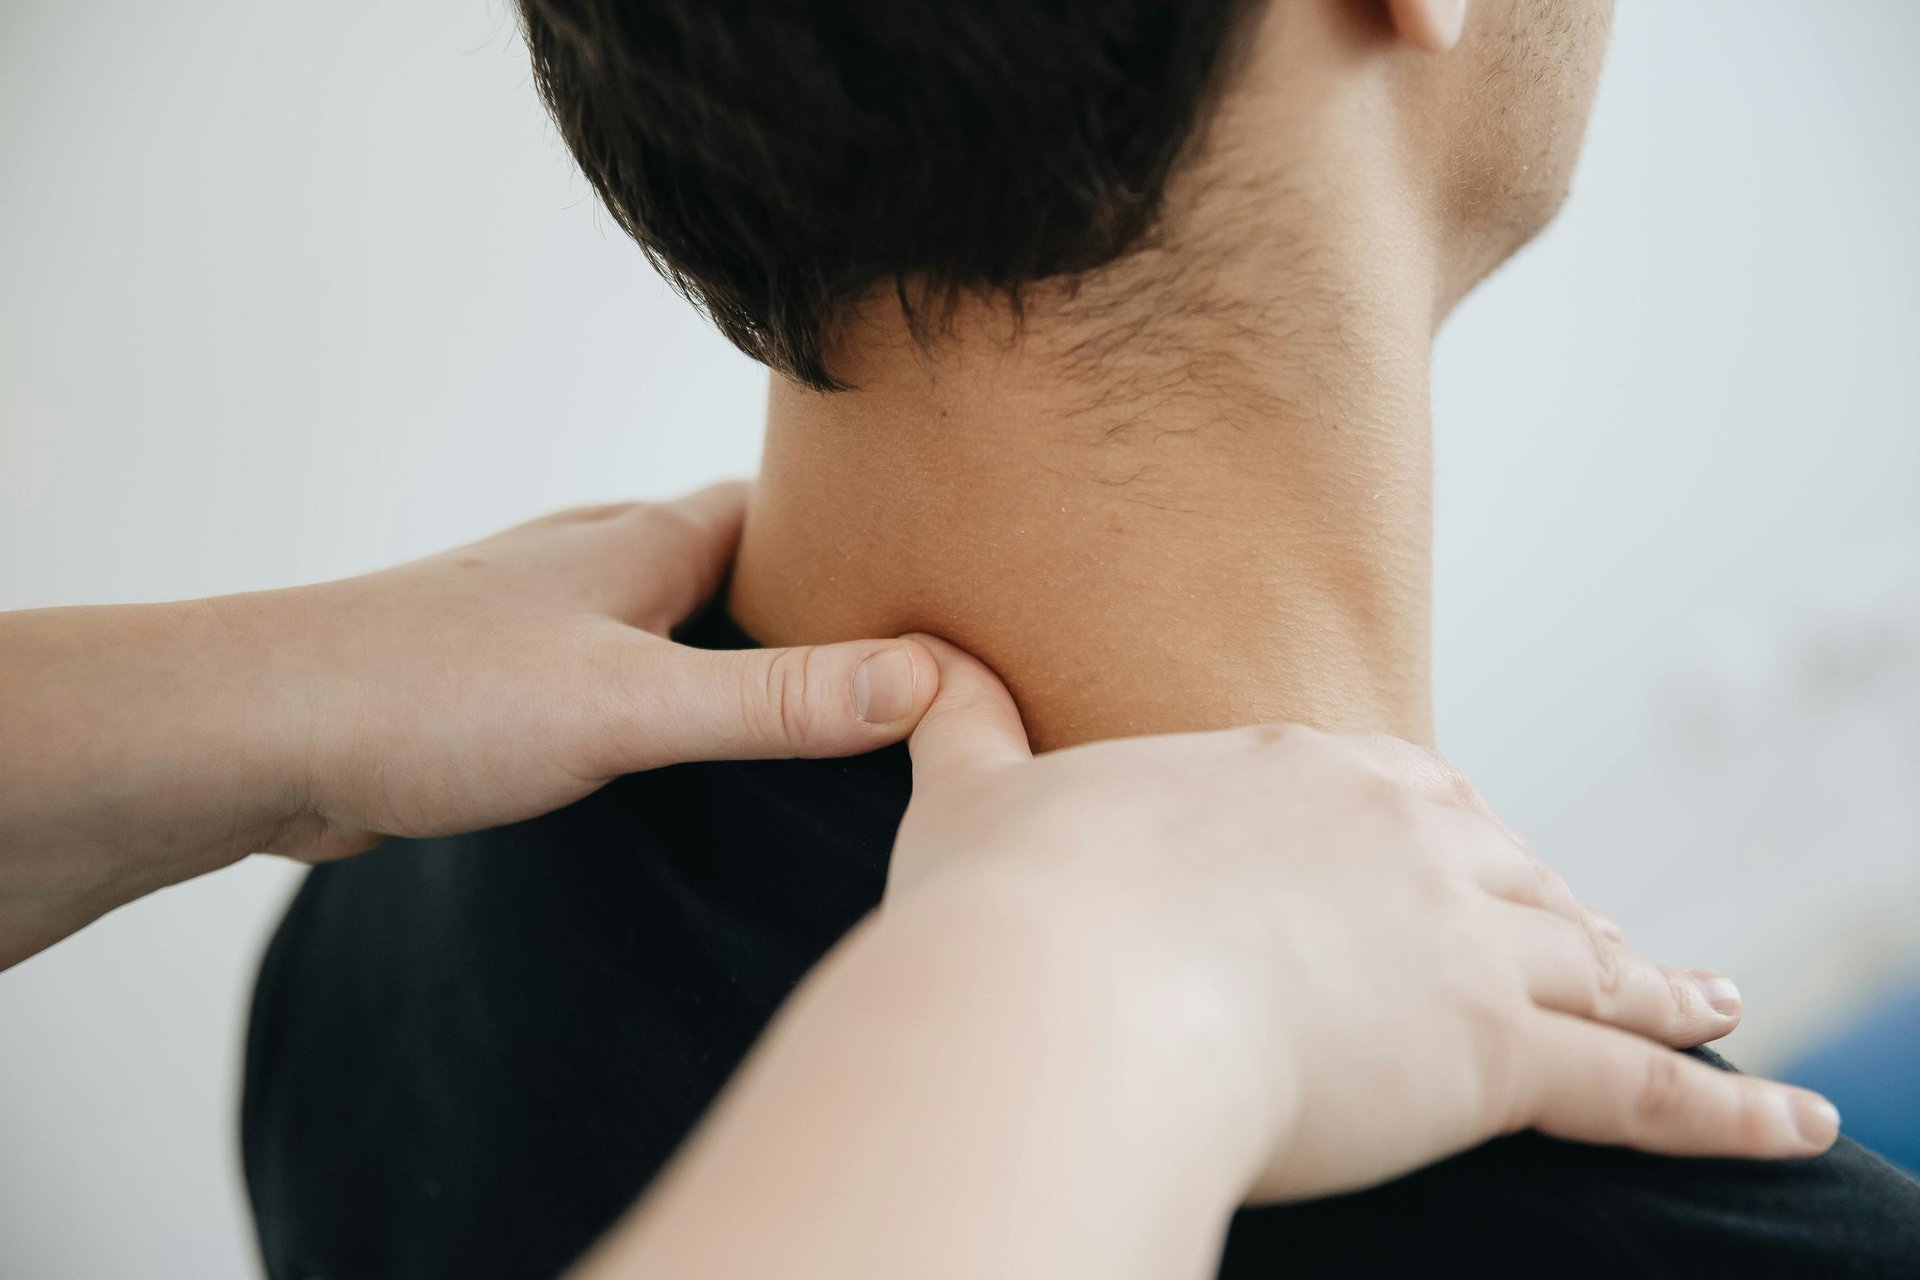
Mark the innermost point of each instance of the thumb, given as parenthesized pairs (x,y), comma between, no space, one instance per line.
(764,704)
(971,725)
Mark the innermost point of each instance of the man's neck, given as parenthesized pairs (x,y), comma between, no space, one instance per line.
(1191,490)
(1236,532)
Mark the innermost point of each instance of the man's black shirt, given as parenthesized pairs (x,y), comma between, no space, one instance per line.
(468,1056)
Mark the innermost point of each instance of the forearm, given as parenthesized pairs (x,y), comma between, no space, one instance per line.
(957,1091)
(135,751)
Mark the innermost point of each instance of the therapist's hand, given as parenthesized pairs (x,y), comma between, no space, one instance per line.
(143,744)
(1117,990)
(515,675)
(1333,946)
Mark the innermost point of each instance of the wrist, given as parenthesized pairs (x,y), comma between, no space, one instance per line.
(971,1073)
(136,754)
(271,717)
(1141,1012)
(223,729)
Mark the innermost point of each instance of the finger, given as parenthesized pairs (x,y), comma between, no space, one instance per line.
(1435,776)
(677,553)
(753,704)
(1589,1083)
(972,725)
(1571,969)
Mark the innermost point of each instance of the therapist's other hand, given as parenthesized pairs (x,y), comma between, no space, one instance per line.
(510,677)
(1343,957)
(144,744)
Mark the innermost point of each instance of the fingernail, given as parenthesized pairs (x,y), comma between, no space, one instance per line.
(1817,1119)
(883,686)
(1719,991)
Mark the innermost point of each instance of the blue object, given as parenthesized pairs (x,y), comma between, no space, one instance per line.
(1871,1071)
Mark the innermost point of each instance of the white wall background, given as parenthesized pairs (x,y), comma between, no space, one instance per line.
(291,291)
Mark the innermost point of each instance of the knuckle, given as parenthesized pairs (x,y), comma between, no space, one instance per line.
(676,574)
(1279,736)
(1450,787)
(1520,842)
(1418,767)
(1550,889)
(1683,1001)
(787,693)
(1601,920)
(1661,1098)
(665,523)
(1451,784)
(1544,879)
(1609,969)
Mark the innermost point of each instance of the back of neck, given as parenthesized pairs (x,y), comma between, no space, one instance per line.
(1144,519)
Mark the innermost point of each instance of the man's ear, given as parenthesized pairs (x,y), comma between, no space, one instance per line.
(1433,25)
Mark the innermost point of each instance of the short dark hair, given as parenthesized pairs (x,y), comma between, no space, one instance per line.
(777,159)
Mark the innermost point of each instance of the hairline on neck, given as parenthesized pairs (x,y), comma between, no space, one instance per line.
(1189,489)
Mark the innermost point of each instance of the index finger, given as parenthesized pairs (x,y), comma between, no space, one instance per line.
(972,724)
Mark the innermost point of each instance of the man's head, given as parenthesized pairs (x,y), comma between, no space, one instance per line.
(782,160)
